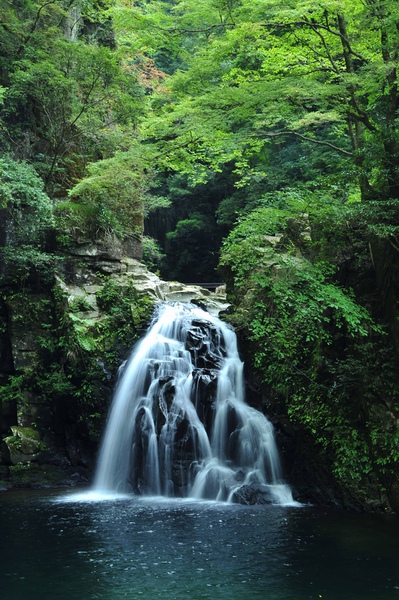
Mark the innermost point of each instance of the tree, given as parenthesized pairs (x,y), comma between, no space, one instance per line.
(26,217)
(310,71)
(110,199)
(67,99)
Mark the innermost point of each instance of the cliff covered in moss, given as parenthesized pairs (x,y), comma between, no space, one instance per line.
(320,351)
(61,344)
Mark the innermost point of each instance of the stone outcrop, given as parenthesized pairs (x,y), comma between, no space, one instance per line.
(23,445)
(84,283)
(42,426)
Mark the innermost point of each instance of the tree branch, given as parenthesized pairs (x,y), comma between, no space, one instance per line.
(34,24)
(178,30)
(314,26)
(309,139)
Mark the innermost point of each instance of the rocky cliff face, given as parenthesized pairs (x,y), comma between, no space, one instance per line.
(61,345)
(60,349)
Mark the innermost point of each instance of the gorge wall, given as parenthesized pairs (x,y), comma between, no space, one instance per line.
(61,344)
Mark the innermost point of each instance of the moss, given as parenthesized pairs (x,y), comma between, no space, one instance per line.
(67,345)
(24,444)
(33,475)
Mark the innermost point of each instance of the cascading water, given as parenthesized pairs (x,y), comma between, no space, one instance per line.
(179,425)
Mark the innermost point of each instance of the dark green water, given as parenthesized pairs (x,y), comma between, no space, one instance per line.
(132,548)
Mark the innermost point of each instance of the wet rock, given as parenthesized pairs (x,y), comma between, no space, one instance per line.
(23,445)
(251,494)
(204,386)
(49,457)
(79,284)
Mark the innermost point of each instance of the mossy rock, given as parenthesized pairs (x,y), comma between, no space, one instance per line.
(23,445)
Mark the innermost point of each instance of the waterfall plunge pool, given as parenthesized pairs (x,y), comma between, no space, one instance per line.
(179,426)
(56,547)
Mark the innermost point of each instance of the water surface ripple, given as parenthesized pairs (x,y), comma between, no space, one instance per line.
(64,548)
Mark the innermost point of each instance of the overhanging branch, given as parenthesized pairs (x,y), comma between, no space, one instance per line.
(309,139)
(210,28)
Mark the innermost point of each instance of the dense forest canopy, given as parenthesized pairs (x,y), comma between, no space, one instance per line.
(250,141)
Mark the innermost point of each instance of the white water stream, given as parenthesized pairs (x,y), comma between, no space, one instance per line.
(179,424)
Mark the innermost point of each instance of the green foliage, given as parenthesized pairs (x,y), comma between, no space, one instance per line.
(114,192)
(126,308)
(67,97)
(27,219)
(315,347)
(193,248)
(283,91)
(84,332)
(189,228)
(113,198)
(25,262)
(75,221)
(291,300)
(26,205)
(152,253)
(73,355)
(14,390)
(94,348)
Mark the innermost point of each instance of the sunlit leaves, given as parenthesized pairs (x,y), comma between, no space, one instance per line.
(23,199)
(142,28)
(323,70)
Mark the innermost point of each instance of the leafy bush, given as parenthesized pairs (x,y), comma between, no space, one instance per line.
(152,253)
(317,350)
(110,199)
(26,206)
(27,218)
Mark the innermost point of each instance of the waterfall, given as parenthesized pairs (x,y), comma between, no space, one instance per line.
(179,424)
